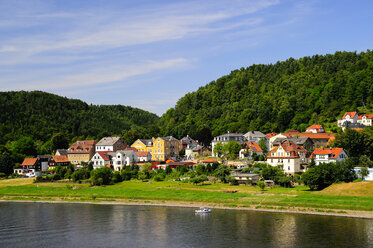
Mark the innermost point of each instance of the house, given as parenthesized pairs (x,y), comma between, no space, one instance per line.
(165,148)
(249,149)
(366,120)
(123,158)
(289,156)
(143,156)
(245,178)
(184,142)
(327,155)
(29,165)
(350,117)
(274,137)
(319,139)
(61,152)
(315,129)
(58,160)
(194,150)
(110,144)
(369,177)
(225,138)
(81,151)
(100,159)
(143,145)
(44,161)
(255,136)
(304,142)
(270,135)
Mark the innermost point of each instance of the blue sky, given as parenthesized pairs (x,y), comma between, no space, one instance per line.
(148,54)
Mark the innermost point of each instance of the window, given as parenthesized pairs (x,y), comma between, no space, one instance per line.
(288,160)
(288,167)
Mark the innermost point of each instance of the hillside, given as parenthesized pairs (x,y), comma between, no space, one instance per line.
(350,189)
(39,115)
(287,95)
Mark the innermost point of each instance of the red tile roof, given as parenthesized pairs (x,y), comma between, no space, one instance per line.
(60,159)
(104,155)
(142,154)
(209,160)
(270,135)
(317,135)
(253,146)
(367,116)
(131,148)
(29,161)
(351,114)
(82,146)
(331,152)
(289,147)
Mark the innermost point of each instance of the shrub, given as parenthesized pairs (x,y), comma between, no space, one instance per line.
(101,176)
(117,177)
(158,178)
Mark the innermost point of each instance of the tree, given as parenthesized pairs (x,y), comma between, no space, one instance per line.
(261,185)
(364,172)
(263,145)
(58,141)
(231,149)
(101,176)
(24,146)
(218,149)
(200,169)
(204,136)
(312,164)
(6,163)
(222,172)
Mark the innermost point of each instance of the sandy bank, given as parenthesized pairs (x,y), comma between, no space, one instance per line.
(274,209)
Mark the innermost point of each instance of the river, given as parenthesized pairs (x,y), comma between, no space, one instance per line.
(85,225)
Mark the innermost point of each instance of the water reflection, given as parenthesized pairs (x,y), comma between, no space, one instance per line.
(80,225)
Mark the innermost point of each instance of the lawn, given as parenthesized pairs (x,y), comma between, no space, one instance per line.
(217,194)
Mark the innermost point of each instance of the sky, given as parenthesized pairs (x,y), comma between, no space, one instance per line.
(148,54)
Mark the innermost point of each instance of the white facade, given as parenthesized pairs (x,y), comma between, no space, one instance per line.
(367,178)
(98,161)
(123,158)
(366,120)
(327,158)
(102,148)
(110,144)
(349,117)
(225,138)
(146,158)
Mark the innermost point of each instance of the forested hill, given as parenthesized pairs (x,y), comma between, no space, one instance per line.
(287,95)
(39,115)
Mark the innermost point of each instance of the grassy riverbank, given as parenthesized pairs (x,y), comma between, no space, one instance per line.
(214,195)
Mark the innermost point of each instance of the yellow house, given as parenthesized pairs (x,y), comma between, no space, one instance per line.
(144,145)
(161,148)
(81,151)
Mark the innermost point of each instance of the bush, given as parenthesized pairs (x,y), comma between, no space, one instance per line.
(358,180)
(101,176)
(158,178)
(117,177)
(81,174)
(261,185)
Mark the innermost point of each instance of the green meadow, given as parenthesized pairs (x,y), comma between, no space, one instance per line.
(298,198)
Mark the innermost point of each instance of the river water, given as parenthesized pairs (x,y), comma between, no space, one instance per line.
(84,225)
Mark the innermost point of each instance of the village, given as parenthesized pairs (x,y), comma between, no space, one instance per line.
(291,151)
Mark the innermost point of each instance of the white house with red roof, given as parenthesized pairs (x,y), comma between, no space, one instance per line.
(101,159)
(289,156)
(327,155)
(315,128)
(250,148)
(366,120)
(350,117)
(143,156)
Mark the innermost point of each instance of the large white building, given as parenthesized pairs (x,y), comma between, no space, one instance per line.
(225,138)
(327,155)
(289,156)
(101,159)
(123,158)
(350,117)
(110,144)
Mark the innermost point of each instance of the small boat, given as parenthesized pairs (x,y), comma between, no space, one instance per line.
(203,211)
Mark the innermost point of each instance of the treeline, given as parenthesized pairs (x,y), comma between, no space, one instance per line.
(40,115)
(287,95)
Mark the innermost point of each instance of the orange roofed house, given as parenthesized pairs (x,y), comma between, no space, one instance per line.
(327,155)
(56,160)
(350,117)
(250,148)
(289,156)
(316,128)
(81,151)
(366,120)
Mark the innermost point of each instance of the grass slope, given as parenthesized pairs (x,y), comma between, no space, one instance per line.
(364,189)
(297,199)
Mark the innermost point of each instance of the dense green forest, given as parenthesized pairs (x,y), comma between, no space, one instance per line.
(287,95)
(40,115)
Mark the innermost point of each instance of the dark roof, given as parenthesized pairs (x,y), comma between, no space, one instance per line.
(169,138)
(62,151)
(147,142)
(109,141)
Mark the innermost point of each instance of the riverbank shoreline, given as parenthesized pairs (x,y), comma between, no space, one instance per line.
(310,211)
